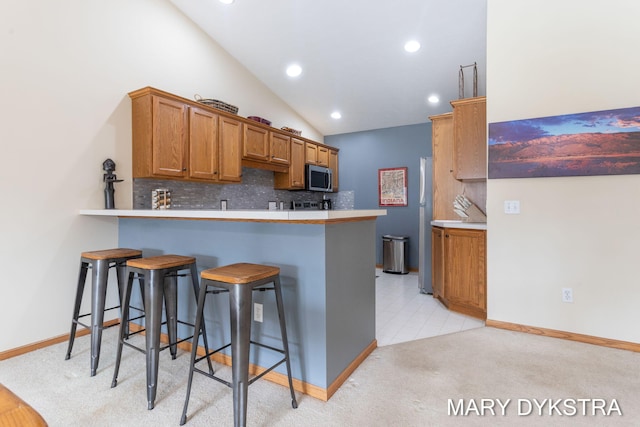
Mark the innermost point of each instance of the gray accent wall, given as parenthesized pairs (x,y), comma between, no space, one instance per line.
(362,154)
(327,275)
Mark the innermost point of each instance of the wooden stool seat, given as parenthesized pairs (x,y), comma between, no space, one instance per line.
(240,273)
(161,262)
(16,412)
(112,254)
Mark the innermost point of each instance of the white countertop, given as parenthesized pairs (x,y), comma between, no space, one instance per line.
(249,214)
(453,223)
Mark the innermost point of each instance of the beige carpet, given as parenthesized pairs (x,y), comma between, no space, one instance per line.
(409,384)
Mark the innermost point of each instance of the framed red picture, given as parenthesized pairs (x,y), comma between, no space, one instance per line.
(392,186)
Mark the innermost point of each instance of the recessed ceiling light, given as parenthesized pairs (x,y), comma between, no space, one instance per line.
(226,1)
(412,46)
(294,70)
(336,115)
(433,99)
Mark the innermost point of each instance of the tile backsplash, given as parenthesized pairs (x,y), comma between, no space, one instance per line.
(255,192)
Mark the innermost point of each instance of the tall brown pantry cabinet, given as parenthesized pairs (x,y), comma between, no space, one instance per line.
(459,167)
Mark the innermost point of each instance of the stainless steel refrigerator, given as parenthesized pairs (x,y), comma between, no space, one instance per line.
(426,214)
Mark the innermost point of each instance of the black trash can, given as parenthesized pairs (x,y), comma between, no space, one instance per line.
(395,254)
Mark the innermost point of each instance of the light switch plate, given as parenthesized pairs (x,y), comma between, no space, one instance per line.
(512,207)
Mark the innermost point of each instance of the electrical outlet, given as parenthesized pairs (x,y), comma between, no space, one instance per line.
(567,295)
(257,312)
(512,207)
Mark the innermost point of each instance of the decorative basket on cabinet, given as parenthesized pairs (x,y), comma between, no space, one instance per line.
(217,104)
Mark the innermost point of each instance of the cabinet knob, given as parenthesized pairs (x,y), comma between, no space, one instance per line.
(446,235)
(184,169)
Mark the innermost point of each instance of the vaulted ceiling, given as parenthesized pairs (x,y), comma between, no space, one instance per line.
(352,54)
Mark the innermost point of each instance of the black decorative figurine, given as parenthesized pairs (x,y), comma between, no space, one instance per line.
(109,178)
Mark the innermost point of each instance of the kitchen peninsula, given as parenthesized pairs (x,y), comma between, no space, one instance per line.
(327,261)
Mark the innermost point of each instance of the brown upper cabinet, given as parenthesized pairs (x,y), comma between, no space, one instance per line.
(172,139)
(229,143)
(175,138)
(333,164)
(293,179)
(256,143)
(266,149)
(310,153)
(166,132)
(445,186)
(280,146)
(316,154)
(470,138)
(323,156)
(447,160)
(203,147)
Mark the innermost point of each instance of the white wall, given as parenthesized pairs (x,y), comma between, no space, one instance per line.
(66,68)
(549,58)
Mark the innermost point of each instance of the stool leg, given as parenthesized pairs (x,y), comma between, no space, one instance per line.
(285,342)
(99,277)
(82,277)
(240,298)
(194,342)
(141,284)
(170,292)
(121,271)
(126,299)
(194,347)
(153,319)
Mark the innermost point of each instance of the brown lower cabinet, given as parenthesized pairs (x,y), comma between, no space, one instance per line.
(459,269)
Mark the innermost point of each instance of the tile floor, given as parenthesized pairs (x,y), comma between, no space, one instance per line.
(404,314)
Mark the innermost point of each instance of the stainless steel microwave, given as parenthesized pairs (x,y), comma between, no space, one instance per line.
(318,178)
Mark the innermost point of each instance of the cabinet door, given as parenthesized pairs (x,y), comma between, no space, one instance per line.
(333,164)
(323,156)
(465,274)
(256,143)
(296,170)
(311,153)
(470,138)
(169,136)
(229,143)
(203,144)
(437,262)
(294,178)
(280,147)
(445,186)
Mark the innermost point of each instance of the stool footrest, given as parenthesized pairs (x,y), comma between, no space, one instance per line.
(77,322)
(164,347)
(89,314)
(251,380)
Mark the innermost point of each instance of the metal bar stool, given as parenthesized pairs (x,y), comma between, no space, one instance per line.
(161,284)
(99,262)
(240,280)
